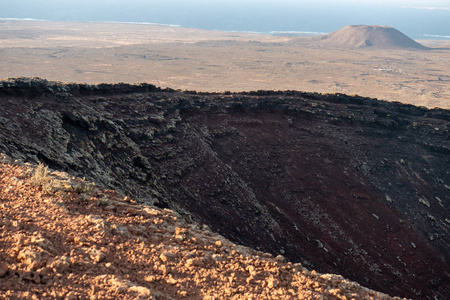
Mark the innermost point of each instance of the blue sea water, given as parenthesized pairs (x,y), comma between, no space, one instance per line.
(270,17)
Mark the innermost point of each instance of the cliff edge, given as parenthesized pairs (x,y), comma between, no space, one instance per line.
(341,184)
(62,238)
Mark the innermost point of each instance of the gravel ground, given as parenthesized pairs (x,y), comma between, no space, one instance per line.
(62,238)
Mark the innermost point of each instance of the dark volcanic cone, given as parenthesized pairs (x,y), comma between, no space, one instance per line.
(369,36)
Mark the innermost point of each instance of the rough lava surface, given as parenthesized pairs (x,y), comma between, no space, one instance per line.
(341,184)
(69,244)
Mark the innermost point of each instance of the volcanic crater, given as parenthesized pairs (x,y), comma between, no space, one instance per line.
(342,184)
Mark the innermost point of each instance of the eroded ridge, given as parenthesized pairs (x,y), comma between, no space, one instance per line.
(341,184)
(72,243)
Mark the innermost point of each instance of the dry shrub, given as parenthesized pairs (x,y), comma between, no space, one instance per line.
(42,178)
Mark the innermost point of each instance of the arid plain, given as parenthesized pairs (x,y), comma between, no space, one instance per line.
(210,61)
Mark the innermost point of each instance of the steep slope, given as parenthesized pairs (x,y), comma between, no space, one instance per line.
(342,184)
(369,36)
(75,243)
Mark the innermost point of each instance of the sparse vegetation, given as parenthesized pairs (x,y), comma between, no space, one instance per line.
(82,186)
(42,178)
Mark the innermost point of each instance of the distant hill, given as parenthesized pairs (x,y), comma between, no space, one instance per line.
(369,36)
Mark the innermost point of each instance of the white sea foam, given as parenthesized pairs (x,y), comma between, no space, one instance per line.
(21,19)
(139,23)
(437,36)
(116,22)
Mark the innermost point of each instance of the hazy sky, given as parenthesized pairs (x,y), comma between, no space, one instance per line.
(413,17)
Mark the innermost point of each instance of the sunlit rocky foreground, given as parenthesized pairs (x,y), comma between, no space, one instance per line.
(61,238)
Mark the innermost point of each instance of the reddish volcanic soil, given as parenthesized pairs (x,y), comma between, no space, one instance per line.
(76,244)
(341,184)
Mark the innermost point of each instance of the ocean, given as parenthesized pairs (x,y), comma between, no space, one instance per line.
(286,17)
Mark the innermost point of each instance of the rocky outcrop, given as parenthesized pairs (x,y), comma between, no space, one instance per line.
(343,184)
(96,244)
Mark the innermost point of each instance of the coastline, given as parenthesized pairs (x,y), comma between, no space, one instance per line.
(209,61)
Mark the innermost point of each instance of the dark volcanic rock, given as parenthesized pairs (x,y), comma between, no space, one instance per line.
(343,184)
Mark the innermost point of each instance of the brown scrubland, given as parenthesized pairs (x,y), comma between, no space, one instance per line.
(192,59)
